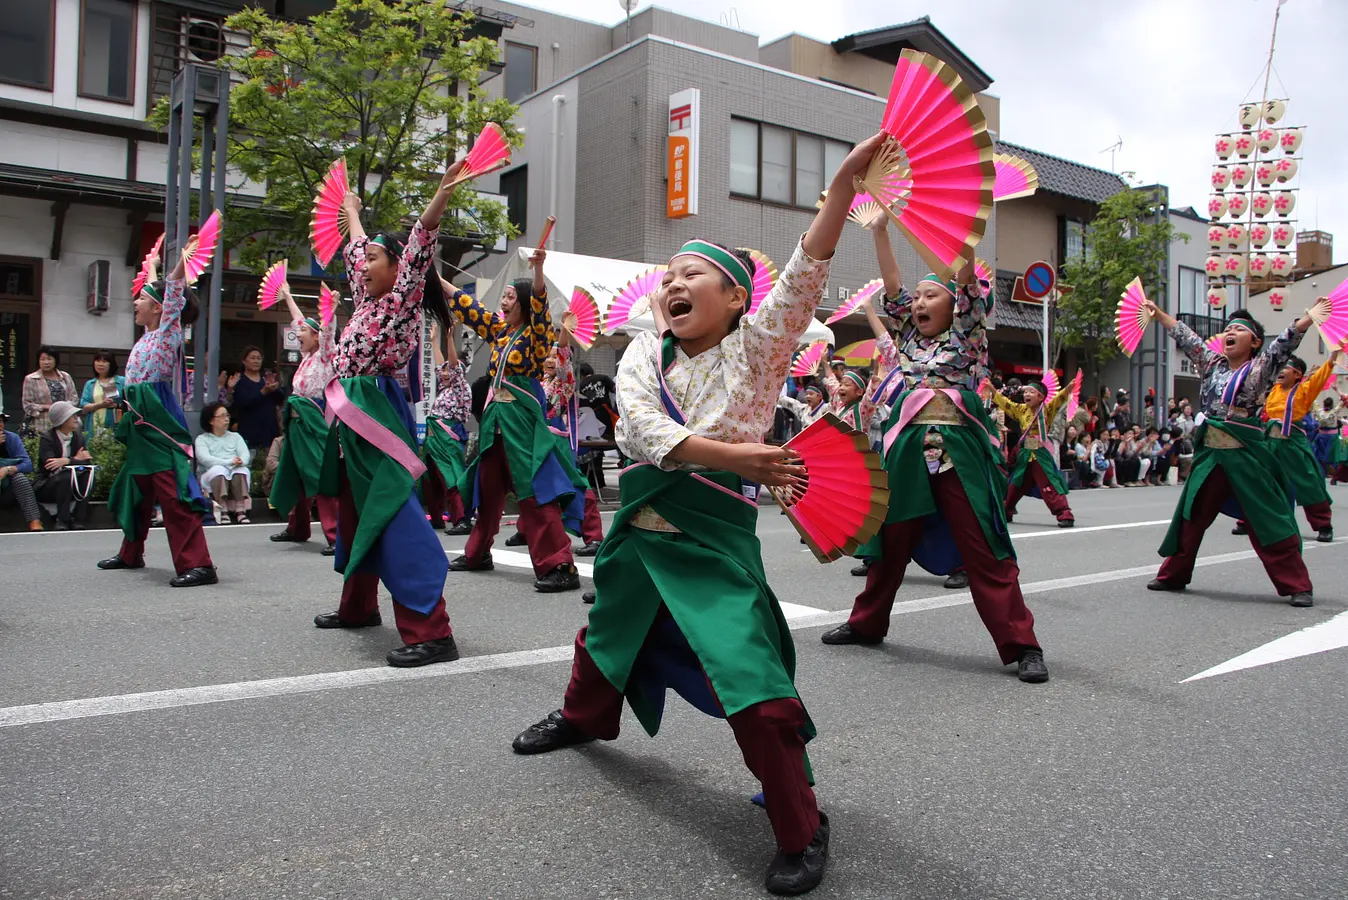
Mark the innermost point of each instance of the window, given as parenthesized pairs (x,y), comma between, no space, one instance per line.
(1075,240)
(521,71)
(780,165)
(108,49)
(26,31)
(1193,288)
(515,188)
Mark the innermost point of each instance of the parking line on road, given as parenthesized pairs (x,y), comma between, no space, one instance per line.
(62,710)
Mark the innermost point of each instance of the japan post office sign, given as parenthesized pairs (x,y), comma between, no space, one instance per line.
(681,154)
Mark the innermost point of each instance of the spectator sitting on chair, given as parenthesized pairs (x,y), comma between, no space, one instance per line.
(62,446)
(222,464)
(15,464)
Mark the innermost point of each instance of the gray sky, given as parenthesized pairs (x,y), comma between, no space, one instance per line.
(1076,75)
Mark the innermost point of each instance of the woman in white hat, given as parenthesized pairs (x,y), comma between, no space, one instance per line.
(59,447)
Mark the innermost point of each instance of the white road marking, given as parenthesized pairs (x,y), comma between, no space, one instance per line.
(63,710)
(1328,635)
(1060,532)
(513,559)
(794,611)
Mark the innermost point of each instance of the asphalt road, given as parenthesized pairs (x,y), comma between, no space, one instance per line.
(210,743)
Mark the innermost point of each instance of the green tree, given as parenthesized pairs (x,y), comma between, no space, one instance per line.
(1129,237)
(389,85)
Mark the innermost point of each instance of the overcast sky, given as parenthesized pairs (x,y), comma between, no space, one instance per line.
(1076,75)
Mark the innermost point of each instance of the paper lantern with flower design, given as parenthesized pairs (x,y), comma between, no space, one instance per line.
(1244,145)
(1217,206)
(1283,203)
(1258,265)
(1261,203)
(1276,299)
(1259,234)
(1216,236)
(1265,174)
(1235,236)
(1280,265)
(1249,115)
(1213,266)
(1274,111)
(1285,170)
(1221,178)
(1241,173)
(1237,205)
(1266,139)
(1283,234)
(1217,297)
(1290,140)
(1233,266)
(1226,145)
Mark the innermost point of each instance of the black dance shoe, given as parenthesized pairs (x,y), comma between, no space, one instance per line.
(844,634)
(329,550)
(425,653)
(562,578)
(1325,536)
(552,733)
(1241,528)
(1030,667)
(590,549)
(461,564)
(862,568)
(796,873)
(1157,584)
(195,577)
(1067,523)
(957,581)
(116,562)
(459,528)
(1305,598)
(587,597)
(285,537)
(332,620)
(516,540)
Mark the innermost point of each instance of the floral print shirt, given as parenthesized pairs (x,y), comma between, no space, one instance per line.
(1216,372)
(384,332)
(729,392)
(527,354)
(157,354)
(957,355)
(317,368)
(455,400)
(559,388)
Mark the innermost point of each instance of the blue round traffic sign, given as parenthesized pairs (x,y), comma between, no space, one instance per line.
(1039,278)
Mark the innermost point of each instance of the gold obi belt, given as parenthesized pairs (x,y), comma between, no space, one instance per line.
(1220,440)
(1275,431)
(1032,443)
(939,410)
(647,519)
(504,394)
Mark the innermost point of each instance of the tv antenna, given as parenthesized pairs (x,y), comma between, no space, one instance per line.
(1111,150)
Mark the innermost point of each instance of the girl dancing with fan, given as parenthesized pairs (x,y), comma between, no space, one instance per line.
(683,599)
(1289,401)
(296,484)
(559,387)
(1034,462)
(446,434)
(371,463)
(158,467)
(518,453)
(1233,470)
(940,447)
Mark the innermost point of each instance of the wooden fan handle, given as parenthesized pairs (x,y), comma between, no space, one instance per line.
(547,233)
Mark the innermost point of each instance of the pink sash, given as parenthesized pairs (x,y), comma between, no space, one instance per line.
(358,420)
(920,397)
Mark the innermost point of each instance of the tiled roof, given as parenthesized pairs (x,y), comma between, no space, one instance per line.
(1070,179)
(886,43)
(1008,313)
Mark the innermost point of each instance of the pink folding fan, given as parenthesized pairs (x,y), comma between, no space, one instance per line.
(198,260)
(147,267)
(765,278)
(272,282)
(328,226)
(852,303)
(490,152)
(806,362)
(327,304)
(1015,177)
(634,299)
(1132,318)
(582,317)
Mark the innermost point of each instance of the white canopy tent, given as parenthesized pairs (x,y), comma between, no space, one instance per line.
(603,278)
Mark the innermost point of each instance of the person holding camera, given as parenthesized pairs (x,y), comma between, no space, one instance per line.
(59,449)
(98,400)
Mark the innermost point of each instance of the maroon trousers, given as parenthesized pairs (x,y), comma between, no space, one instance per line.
(768,735)
(360,591)
(1319,515)
(591,527)
(440,498)
(1282,560)
(994,583)
(1056,502)
(298,523)
(187,539)
(541,524)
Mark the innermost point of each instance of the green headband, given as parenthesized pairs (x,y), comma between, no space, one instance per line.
(856,379)
(387,243)
(153,293)
(313,324)
(950,285)
(730,265)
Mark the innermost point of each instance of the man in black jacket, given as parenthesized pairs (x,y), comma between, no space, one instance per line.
(58,448)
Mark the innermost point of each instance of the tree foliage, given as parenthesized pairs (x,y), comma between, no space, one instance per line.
(390,85)
(1127,240)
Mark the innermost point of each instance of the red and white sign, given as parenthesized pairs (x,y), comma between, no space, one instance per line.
(681,154)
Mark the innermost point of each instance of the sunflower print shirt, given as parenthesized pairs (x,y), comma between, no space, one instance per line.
(528,354)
